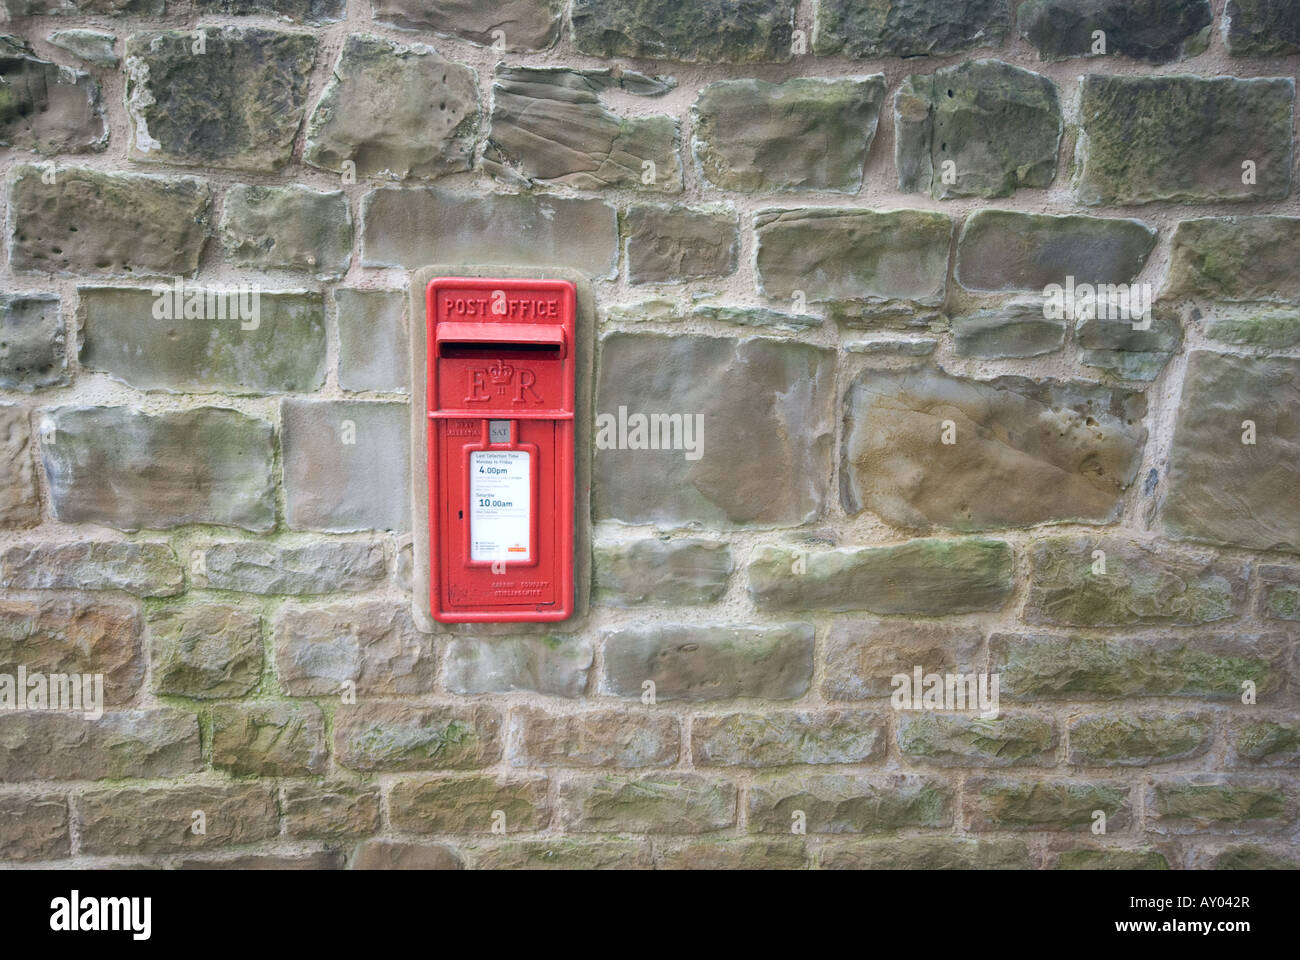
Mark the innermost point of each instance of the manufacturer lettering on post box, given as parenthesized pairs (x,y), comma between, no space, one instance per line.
(500,399)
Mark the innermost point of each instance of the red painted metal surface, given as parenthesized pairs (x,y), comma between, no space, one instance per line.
(500,396)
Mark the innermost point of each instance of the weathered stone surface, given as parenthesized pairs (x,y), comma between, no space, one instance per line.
(1023,451)
(863,655)
(757,402)
(1254,327)
(926,577)
(1156,32)
(1222,490)
(323,567)
(657,803)
(665,572)
(753,317)
(926,853)
(753,136)
(1235,259)
(134,8)
(671,244)
(1108,858)
(373,340)
(1112,340)
(78,634)
(393,737)
(696,663)
(1144,139)
(34,828)
(147,569)
(93,46)
(1021,739)
(1218,804)
(302,11)
(47,108)
(892,348)
(837,254)
(1269,741)
(525,24)
(57,745)
(1249,857)
(605,738)
(657,309)
(552,665)
(469,805)
(879,315)
(707,31)
(545,231)
(788,737)
(239,105)
(144,820)
(206,651)
(397,855)
(394,111)
(404,564)
(1132,688)
(549,126)
(373,644)
(1279,597)
(868,29)
(127,469)
(982,128)
(1098,668)
(1136,583)
(734,853)
(1282,602)
(330,810)
(96,222)
(346,465)
(1009,250)
(308,860)
(1013,330)
(32,342)
(291,228)
(843,803)
(563,854)
(1049,805)
(272,344)
(275,739)
(1266,28)
(20,504)
(1129,740)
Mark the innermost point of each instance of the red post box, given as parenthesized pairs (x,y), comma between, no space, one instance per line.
(500,403)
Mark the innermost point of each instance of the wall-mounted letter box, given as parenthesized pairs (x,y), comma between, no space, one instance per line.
(500,403)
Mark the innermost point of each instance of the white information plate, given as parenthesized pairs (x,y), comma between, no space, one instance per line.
(500,507)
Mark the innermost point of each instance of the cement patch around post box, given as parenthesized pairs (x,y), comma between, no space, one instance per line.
(584,377)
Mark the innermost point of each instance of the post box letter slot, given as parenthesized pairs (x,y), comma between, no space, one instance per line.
(504,337)
(468,349)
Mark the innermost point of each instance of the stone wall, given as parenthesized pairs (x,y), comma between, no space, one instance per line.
(831,229)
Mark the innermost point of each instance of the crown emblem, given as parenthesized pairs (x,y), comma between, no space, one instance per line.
(500,373)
